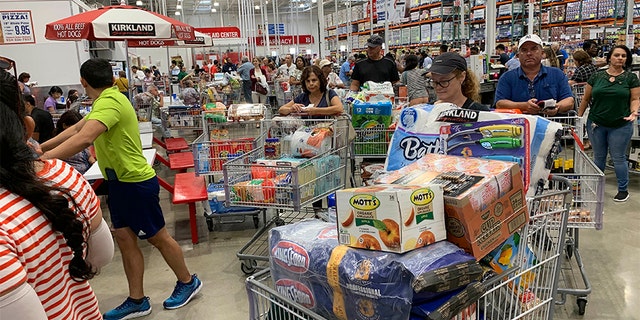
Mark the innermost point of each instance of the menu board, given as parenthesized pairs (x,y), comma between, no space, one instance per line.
(16,27)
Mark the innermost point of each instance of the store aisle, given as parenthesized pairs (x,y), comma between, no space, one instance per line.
(611,256)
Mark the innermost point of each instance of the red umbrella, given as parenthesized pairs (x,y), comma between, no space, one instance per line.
(113,23)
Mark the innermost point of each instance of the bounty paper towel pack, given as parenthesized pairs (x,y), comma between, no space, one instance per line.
(420,132)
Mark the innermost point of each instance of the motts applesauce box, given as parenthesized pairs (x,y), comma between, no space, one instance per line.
(392,218)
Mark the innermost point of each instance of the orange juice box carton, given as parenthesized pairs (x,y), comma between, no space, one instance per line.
(392,218)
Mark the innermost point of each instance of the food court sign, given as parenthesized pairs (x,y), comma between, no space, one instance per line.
(17,27)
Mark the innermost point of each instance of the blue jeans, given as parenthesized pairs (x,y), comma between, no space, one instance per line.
(246,91)
(615,141)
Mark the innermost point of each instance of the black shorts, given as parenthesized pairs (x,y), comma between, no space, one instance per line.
(136,205)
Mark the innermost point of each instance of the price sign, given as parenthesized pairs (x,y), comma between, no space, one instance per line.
(17,27)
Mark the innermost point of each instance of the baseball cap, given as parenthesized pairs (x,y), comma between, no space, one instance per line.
(324,62)
(530,38)
(375,41)
(447,62)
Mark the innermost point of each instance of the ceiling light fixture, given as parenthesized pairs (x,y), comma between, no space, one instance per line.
(301,5)
(214,10)
(179,7)
(215,4)
(177,13)
(257,7)
(138,3)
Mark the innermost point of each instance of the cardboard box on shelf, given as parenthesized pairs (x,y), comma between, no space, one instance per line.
(483,216)
(390,218)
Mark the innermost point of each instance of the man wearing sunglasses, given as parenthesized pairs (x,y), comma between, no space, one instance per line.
(375,68)
(533,88)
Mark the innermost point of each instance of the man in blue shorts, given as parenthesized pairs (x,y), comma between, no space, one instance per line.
(134,202)
(533,88)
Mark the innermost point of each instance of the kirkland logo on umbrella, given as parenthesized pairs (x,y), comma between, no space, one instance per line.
(131,29)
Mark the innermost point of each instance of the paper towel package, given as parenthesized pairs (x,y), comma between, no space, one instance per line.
(484,214)
(310,267)
(420,132)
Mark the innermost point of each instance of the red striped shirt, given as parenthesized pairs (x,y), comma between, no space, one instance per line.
(31,251)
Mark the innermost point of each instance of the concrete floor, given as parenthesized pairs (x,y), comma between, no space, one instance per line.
(611,256)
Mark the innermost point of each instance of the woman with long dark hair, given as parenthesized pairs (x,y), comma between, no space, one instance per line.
(613,96)
(325,102)
(52,236)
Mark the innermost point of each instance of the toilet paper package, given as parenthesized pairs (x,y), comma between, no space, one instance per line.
(308,266)
(422,129)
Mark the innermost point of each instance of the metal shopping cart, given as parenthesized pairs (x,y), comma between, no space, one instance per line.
(227,134)
(185,118)
(288,185)
(524,291)
(587,209)
(586,212)
(527,290)
(144,112)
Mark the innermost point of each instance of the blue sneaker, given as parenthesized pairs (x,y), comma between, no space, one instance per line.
(183,293)
(129,310)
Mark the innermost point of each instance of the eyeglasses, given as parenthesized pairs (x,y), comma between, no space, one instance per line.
(6,64)
(442,84)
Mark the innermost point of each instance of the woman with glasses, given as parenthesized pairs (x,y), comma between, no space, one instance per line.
(454,82)
(414,79)
(613,96)
(53,238)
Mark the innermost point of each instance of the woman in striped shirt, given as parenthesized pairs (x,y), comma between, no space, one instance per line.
(52,235)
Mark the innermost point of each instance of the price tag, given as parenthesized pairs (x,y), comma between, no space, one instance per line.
(17,27)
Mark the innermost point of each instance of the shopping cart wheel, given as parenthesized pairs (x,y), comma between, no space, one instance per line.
(256,221)
(248,266)
(279,222)
(209,224)
(582,304)
(569,249)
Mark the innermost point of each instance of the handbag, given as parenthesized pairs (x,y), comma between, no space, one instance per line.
(260,89)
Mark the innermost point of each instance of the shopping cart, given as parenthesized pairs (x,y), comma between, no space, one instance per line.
(586,212)
(226,136)
(267,303)
(587,208)
(144,112)
(185,118)
(282,91)
(296,187)
(578,94)
(525,291)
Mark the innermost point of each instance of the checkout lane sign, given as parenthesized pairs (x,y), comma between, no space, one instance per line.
(17,27)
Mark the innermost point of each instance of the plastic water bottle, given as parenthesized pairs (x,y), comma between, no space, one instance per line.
(331,212)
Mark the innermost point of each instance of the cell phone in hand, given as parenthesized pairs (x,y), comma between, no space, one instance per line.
(542,106)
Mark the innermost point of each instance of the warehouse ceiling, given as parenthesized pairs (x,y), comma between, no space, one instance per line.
(201,7)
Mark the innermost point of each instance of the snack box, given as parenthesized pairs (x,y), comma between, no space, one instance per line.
(507,255)
(479,232)
(392,218)
(483,216)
